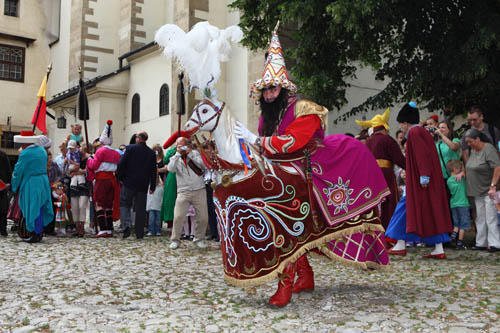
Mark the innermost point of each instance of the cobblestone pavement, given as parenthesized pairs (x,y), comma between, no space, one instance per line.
(115,285)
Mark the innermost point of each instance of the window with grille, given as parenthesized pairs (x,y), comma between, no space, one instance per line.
(164,100)
(136,108)
(7,140)
(11,7)
(11,63)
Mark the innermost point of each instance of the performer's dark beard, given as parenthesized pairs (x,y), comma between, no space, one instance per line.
(273,112)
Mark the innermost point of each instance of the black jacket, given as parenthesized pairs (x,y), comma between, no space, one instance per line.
(137,168)
(5,170)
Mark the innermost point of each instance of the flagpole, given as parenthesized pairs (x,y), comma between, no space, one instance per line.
(80,73)
(49,69)
(181,102)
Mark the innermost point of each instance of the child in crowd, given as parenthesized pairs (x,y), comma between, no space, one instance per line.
(60,203)
(459,203)
(73,159)
(188,227)
(153,207)
(495,195)
(76,134)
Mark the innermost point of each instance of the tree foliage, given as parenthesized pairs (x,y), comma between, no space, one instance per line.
(445,54)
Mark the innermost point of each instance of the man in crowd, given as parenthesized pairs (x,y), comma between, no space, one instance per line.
(60,158)
(189,169)
(5,178)
(475,118)
(137,172)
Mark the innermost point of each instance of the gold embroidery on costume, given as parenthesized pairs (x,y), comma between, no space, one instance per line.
(306,107)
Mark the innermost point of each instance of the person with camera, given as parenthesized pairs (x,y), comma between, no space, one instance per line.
(189,170)
(447,146)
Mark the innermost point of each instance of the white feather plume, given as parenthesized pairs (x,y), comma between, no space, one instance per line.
(200,51)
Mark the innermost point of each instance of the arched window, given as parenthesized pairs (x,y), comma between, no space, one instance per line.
(164,100)
(136,108)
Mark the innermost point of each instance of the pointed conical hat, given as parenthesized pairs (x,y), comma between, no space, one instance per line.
(275,73)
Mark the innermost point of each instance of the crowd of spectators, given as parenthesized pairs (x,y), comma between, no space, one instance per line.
(158,192)
(470,167)
(170,190)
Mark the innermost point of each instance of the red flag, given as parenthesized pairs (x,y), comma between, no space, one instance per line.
(40,115)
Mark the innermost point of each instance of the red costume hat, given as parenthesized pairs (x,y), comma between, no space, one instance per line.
(171,140)
(26,137)
(435,118)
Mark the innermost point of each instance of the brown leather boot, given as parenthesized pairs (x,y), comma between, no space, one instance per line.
(80,229)
(283,295)
(305,275)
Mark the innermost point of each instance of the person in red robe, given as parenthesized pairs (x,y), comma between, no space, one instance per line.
(427,214)
(387,152)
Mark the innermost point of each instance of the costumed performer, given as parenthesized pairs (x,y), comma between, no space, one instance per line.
(387,152)
(31,182)
(426,217)
(341,173)
(101,169)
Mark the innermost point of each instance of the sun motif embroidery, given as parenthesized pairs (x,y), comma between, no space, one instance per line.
(338,195)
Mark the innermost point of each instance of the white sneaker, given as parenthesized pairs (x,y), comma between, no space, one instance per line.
(201,244)
(149,234)
(158,234)
(174,245)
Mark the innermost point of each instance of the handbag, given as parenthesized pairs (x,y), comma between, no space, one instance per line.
(14,212)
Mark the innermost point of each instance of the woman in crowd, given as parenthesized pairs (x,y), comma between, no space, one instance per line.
(448,148)
(432,121)
(400,136)
(160,165)
(80,195)
(480,167)
(169,191)
(54,173)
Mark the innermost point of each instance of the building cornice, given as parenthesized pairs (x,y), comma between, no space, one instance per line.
(139,52)
(73,91)
(24,39)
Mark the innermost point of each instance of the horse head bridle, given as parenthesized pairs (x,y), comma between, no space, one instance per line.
(218,112)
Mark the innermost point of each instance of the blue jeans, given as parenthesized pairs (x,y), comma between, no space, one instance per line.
(154,225)
(461,217)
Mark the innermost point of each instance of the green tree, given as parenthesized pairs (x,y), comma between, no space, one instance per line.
(445,54)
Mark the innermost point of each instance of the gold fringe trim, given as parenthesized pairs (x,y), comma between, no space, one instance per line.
(318,243)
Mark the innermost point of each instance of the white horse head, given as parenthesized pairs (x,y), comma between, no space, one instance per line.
(212,115)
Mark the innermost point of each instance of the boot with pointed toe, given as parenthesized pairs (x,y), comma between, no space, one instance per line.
(305,276)
(283,295)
